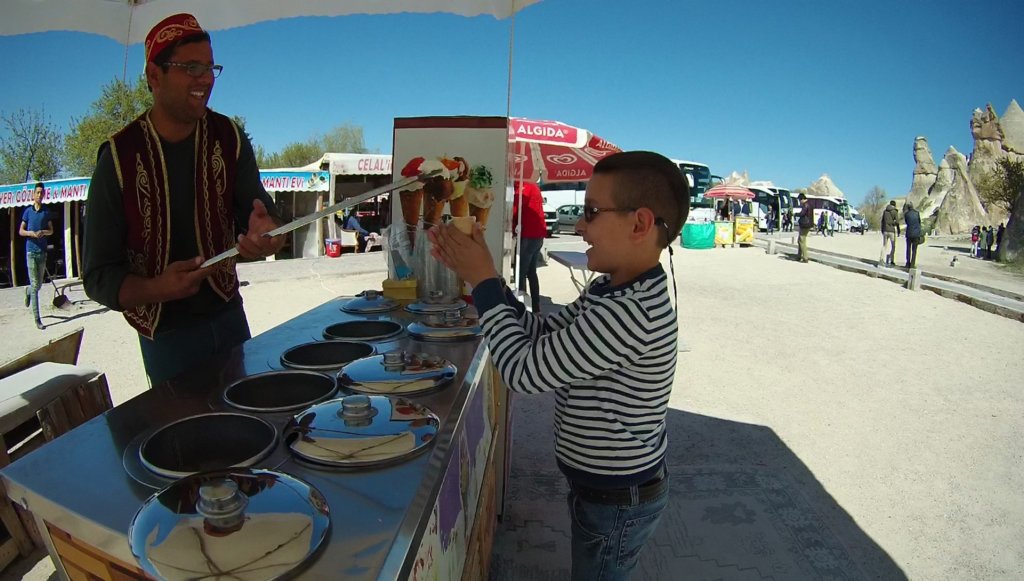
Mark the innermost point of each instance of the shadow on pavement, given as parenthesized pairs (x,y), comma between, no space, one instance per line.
(743,506)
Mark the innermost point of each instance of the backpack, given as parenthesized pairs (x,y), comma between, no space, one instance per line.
(806,218)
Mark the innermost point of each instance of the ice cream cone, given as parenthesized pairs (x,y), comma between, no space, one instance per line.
(480,214)
(412,202)
(459,205)
(432,211)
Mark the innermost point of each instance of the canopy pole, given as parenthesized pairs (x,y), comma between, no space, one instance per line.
(127,41)
(14,269)
(510,172)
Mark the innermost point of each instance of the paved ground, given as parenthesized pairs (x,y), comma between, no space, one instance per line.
(824,425)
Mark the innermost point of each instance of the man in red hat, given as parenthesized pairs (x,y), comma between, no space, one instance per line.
(175,186)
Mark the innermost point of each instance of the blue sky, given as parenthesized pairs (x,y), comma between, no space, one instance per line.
(785,90)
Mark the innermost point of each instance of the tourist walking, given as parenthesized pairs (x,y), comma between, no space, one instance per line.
(975,237)
(913,220)
(35,226)
(990,238)
(890,229)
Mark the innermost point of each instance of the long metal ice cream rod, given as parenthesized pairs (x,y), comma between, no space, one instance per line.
(329,210)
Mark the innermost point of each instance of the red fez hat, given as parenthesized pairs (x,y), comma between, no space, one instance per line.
(168,31)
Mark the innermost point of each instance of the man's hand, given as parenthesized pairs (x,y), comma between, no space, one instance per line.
(181,279)
(468,256)
(253,244)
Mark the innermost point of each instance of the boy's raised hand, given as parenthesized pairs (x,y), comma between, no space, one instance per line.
(468,256)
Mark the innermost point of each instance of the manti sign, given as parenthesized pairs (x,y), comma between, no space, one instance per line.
(56,192)
(295,181)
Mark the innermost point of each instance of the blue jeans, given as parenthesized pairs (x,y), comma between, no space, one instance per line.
(36,262)
(170,354)
(607,539)
(529,256)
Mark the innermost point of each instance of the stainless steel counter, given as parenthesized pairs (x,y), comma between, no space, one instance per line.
(79,482)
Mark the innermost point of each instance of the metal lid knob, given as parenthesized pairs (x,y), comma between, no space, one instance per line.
(371,295)
(222,505)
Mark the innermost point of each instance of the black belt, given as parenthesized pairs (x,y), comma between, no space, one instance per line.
(623,496)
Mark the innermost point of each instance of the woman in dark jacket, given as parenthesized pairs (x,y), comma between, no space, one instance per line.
(913,220)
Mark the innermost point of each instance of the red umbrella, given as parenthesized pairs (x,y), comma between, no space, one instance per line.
(729,191)
(563,152)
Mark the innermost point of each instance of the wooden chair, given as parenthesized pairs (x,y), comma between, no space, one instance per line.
(43,394)
(349,238)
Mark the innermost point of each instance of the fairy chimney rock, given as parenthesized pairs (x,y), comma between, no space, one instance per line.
(1012,124)
(960,207)
(824,186)
(988,141)
(925,173)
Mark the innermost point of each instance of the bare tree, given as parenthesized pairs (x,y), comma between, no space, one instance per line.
(874,203)
(30,148)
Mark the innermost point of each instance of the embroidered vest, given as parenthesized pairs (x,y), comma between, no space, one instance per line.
(142,175)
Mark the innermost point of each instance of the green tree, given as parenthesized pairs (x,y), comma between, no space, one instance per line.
(345,138)
(1001,187)
(119,103)
(30,147)
(871,209)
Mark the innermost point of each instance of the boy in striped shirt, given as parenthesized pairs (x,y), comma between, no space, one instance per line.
(610,356)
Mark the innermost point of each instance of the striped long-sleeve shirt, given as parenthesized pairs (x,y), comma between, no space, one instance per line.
(610,357)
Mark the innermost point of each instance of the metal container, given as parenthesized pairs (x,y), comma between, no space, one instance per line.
(361,430)
(363,330)
(370,301)
(230,524)
(280,391)
(445,326)
(397,373)
(207,442)
(324,355)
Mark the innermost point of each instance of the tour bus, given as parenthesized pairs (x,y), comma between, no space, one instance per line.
(699,178)
(770,198)
(829,206)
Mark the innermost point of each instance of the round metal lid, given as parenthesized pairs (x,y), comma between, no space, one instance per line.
(363,330)
(324,355)
(445,326)
(397,373)
(436,303)
(361,430)
(207,442)
(370,301)
(248,525)
(280,391)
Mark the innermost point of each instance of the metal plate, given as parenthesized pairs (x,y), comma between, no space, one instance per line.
(425,307)
(361,430)
(363,330)
(325,355)
(370,301)
(446,326)
(397,373)
(275,524)
(280,391)
(207,442)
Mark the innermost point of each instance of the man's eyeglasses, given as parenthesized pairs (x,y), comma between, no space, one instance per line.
(591,212)
(198,69)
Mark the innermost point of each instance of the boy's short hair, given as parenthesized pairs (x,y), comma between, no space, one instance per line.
(39,185)
(645,179)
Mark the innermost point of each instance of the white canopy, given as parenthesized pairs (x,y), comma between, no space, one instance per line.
(128,21)
(353,164)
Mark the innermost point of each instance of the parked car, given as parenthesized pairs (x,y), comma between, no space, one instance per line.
(568,215)
(550,220)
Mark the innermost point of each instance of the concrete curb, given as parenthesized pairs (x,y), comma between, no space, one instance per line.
(996,301)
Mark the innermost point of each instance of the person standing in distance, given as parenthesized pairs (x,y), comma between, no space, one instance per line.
(805,222)
(532,231)
(35,226)
(176,185)
(913,220)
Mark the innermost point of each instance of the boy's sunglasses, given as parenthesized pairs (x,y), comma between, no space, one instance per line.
(591,212)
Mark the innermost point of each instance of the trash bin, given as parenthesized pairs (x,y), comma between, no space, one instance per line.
(332,247)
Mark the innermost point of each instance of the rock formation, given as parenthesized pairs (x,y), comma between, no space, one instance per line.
(988,142)
(1012,124)
(737,179)
(824,186)
(925,174)
(959,206)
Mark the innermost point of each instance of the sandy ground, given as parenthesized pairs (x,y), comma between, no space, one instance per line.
(903,405)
